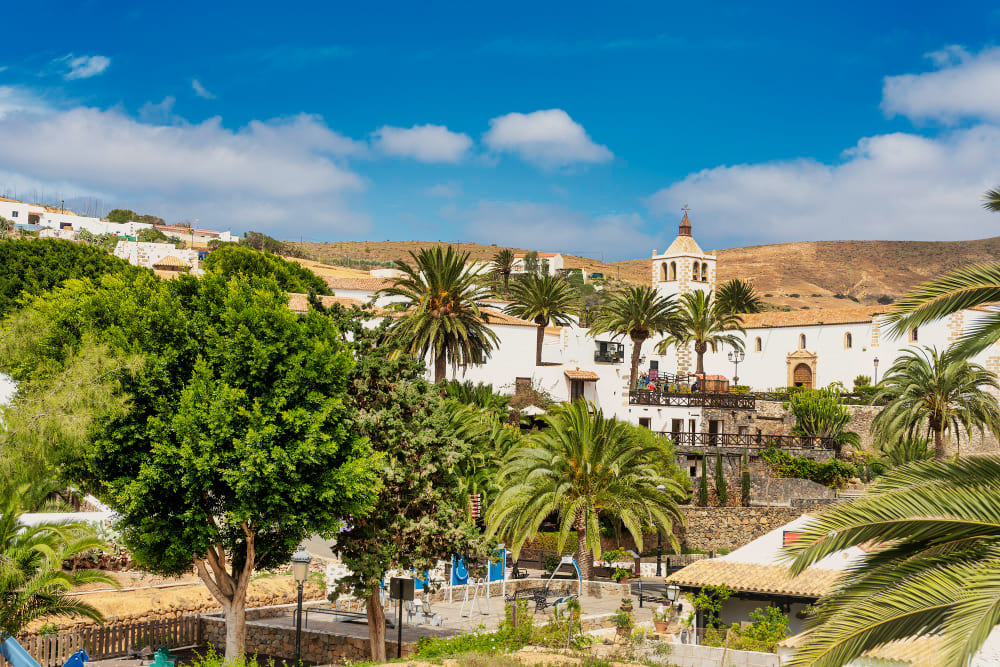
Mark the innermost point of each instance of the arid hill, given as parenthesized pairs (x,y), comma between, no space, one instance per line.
(815,274)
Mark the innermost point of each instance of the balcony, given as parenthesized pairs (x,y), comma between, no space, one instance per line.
(747,440)
(692,400)
(610,353)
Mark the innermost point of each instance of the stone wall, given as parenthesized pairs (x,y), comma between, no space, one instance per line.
(317,647)
(863,415)
(714,528)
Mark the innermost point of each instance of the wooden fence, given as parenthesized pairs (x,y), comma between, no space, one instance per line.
(111,641)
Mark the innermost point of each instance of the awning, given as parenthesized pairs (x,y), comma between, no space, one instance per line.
(586,376)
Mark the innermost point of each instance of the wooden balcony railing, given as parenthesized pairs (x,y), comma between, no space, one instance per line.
(748,440)
(692,400)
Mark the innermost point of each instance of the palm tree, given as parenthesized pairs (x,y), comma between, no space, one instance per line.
(739,296)
(544,300)
(935,531)
(703,321)
(963,288)
(937,395)
(639,313)
(440,310)
(991,200)
(502,266)
(32,581)
(581,466)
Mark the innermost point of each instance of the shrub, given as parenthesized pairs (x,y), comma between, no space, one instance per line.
(720,482)
(768,627)
(709,602)
(884,300)
(703,485)
(833,473)
(862,381)
(819,413)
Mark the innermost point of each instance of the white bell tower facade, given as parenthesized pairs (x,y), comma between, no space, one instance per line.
(684,267)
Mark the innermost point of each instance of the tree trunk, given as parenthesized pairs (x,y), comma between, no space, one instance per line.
(539,341)
(584,557)
(699,348)
(236,628)
(634,371)
(440,367)
(940,449)
(376,627)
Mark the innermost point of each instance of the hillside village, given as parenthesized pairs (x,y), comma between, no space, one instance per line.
(750,467)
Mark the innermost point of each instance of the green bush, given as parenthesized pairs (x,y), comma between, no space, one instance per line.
(703,485)
(768,627)
(820,413)
(862,381)
(720,482)
(833,473)
(233,260)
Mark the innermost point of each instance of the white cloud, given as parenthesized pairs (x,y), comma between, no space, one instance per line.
(547,138)
(160,113)
(964,86)
(13,99)
(425,143)
(892,186)
(557,228)
(281,173)
(448,190)
(84,67)
(200,90)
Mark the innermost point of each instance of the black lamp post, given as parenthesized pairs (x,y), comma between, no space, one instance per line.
(736,356)
(876,371)
(300,572)
(659,542)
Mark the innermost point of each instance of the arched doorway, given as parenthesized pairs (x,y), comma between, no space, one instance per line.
(802,376)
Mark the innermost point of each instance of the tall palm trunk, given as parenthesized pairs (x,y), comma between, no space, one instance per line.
(440,367)
(637,341)
(699,348)
(376,627)
(584,557)
(539,341)
(940,447)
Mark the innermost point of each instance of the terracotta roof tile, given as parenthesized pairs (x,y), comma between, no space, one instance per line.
(499,318)
(541,254)
(170,262)
(805,318)
(756,578)
(582,375)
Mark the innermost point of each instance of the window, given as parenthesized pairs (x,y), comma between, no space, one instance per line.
(802,341)
(693,470)
(758,344)
(575,389)
(676,427)
(673,270)
(704,272)
(663,272)
(644,422)
(913,335)
(522,384)
(691,423)
(848,341)
(694,272)
(13,214)
(654,365)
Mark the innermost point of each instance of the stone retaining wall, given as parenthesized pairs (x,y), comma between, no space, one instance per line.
(714,528)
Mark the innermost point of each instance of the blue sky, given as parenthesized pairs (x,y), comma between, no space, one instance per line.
(579,127)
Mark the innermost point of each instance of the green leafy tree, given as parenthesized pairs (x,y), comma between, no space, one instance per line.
(502,266)
(639,313)
(544,300)
(232,260)
(121,215)
(820,413)
(583,465)
(721,488)
(420,516)
(739,296)
(106,242)
(441,311)
(936,394)
(705,322)
(531,262)
(235,442)
(935,528)
(31,267)
(265,243)
(151,235)
(703,484)
(32,581)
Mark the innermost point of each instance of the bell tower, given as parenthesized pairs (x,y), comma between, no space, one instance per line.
(684,267)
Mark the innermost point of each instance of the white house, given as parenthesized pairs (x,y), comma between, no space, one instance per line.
(548,262)
(161,257)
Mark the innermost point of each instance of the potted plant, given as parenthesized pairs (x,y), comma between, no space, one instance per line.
(623,623)
(626,605)
(663,616)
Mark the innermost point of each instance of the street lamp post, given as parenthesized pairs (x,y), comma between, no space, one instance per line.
(659,542)
(300,572)
(736,356)
(876,371)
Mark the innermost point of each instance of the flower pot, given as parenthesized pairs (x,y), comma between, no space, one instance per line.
(661,626)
